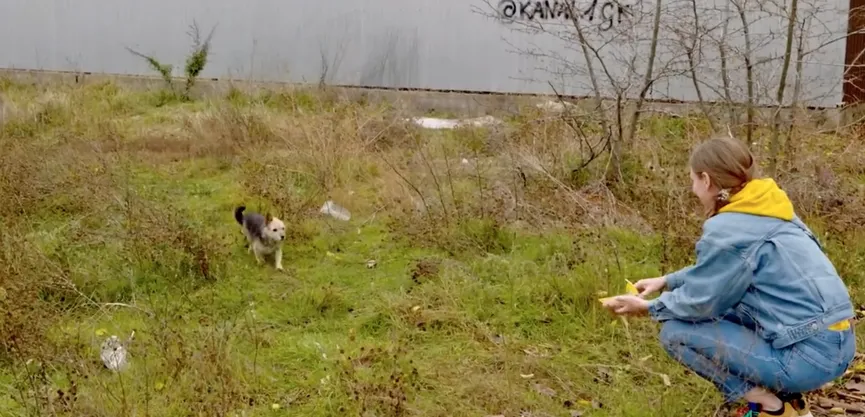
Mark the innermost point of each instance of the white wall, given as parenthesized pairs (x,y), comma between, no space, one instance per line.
(442,44)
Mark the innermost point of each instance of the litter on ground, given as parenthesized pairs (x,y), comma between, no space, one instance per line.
(113,352)
(336,211)
(436,123)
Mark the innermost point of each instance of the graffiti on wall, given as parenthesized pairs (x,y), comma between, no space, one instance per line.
(607,12)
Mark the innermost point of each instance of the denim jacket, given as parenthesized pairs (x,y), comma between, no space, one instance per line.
(771,269)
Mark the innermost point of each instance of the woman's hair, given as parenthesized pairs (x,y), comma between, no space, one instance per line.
(729,165)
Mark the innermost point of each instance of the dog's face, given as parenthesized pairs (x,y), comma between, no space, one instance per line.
(275,229)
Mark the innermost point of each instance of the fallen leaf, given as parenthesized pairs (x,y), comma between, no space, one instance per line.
(859,367)
(584,403)
(540,351)
(527,376)
(415,309)
(666,379)
(837,410)
(832,404)
(855,387)
(275,406)
(101,332)
(158,386)
(544,390)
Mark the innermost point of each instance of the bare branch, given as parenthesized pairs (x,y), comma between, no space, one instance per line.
(648,80)
(775,147)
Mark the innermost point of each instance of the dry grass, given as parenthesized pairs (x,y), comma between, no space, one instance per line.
(116,212)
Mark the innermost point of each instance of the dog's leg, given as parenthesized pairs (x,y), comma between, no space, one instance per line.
(258,256)
(278,258)
(248,240)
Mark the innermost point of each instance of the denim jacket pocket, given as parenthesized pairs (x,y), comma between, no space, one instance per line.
(826,351)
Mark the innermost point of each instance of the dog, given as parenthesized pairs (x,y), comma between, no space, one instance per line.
(264,233)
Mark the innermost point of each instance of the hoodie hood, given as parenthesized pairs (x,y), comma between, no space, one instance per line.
(761,197)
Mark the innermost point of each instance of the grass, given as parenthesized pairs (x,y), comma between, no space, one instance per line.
(490,254)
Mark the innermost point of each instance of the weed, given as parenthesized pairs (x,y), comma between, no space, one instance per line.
(195,63)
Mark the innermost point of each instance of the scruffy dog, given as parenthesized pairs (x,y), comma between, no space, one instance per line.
(264,234)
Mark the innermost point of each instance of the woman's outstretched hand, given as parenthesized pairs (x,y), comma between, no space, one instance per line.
(628,305)
(650,286)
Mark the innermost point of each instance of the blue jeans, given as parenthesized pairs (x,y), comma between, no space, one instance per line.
(731,355)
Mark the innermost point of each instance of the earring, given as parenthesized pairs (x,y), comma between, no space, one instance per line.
(724,195)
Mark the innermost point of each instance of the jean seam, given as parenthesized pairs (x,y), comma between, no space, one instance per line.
(821,367)
(732,393)
(736,394)
(784,365)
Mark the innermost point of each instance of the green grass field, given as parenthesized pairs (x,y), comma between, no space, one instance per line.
(490,248)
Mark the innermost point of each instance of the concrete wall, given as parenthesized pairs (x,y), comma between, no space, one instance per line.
(443,44)
(460,104)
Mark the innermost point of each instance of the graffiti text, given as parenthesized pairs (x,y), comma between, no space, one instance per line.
(608,12)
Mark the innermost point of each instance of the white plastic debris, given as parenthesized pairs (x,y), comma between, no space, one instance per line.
(554,106)
(370,264)
(436,123)
(113,353)
(336,211)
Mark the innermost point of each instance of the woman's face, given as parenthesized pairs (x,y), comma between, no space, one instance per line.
(704,189)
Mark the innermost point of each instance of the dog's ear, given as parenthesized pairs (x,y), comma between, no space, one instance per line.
(268,218)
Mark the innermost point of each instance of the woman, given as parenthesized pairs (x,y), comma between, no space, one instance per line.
(763,313)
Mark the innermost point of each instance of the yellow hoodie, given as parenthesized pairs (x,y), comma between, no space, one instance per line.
(761,197)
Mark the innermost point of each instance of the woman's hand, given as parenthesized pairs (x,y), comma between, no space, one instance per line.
(630,305)
(650,286)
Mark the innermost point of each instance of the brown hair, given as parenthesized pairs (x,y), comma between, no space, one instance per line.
(729,165)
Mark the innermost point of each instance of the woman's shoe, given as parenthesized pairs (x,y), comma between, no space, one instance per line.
(798,402)
(753,410)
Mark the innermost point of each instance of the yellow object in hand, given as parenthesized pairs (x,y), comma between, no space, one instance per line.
(630,288)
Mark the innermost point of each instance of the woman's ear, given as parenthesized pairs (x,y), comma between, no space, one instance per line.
(707,182)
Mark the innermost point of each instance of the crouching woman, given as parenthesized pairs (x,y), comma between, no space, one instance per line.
(762,314)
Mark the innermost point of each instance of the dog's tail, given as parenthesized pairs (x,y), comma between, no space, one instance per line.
(238,214)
